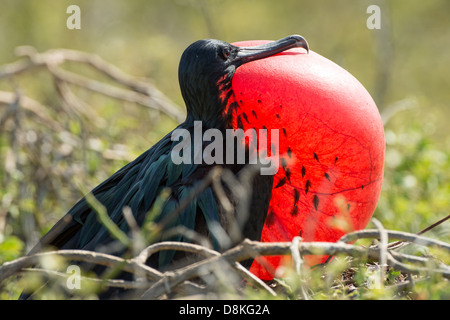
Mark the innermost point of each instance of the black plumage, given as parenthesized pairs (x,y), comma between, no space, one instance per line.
(205,73)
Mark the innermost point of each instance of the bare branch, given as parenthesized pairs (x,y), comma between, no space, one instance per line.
(32,106)
(161,283)
(113,283)
(10,268)
(174,245)
(141,92)
(416,239)
(383,249)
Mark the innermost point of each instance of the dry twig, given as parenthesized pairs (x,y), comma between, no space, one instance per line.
(162,283)
(139,91)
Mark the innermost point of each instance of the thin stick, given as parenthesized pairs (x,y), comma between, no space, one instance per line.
(201,250)
(142,92)
(392,234)
(400,244)
(10,268)
(114,283)
(383,250)
(240,253)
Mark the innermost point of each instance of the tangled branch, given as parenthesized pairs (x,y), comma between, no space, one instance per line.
(138,91)
(157,283)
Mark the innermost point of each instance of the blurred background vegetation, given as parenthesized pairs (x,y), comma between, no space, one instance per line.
(405,65)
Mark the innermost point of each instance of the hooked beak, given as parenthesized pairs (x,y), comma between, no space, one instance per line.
(247,54)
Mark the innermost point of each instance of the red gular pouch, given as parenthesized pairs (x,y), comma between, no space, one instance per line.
(331,147)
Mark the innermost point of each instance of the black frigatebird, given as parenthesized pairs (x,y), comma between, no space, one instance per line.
(205,74)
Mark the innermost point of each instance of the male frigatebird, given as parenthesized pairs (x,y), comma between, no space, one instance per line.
(205,75)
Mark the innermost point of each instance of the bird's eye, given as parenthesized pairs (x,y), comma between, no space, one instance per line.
(225,53)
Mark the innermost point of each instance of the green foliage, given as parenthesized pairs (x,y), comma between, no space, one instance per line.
(416,188)
(10,248)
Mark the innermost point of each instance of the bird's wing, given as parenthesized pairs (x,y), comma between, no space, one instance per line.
(137,185)
(80,225)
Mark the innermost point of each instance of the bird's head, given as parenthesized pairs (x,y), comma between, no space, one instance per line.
(207,67)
